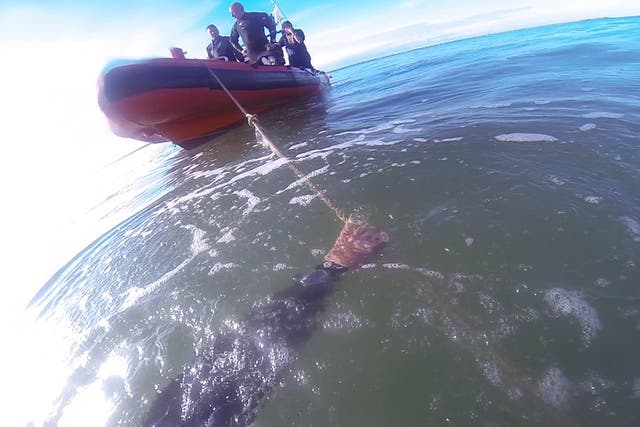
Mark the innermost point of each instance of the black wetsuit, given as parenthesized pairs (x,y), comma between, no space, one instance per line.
(225,383)
(251,28)
(221,47)
(298,54)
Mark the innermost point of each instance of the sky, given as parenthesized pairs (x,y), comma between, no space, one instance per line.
(54,137)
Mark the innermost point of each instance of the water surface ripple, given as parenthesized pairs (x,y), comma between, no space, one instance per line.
(506,170)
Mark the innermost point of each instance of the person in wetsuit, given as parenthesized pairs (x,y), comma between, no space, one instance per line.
(250,26)
(220,47)
(225,383)
(292,41)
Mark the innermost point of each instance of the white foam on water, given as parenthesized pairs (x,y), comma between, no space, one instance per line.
(526,137)
(318,252)
(491,373)
(421,139)
(302,181)
(366,131)
(261,170)
(314,154)
(218,266)
(198,245)
(573,303)
(603,115)
(632,226)
(594,200)
(587,126)
(199,242)
(227,237)
(396,266)
(542,102)
(555,180)
(280,266)
(380,128)
(554,387)
(454,139)
(490,304)
(208,173)
(264,169)
(252,200)
(601,282)
(469,241)
(296,146)
(302,200)
(403,121)
(432,274)
(404,129)
(344,320)
(360,140)
(498,105)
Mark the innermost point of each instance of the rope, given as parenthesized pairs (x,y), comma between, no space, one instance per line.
(252,120)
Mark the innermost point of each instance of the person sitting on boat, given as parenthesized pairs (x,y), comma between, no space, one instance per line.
(220,47)
(275,57)
(250,26)
(293,41)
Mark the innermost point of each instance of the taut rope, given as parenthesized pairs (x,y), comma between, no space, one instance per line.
(264,139)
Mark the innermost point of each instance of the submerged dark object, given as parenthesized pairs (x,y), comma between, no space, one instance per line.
(226,382)
(180,100)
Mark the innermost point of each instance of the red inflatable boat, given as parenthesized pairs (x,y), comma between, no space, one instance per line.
(181,100)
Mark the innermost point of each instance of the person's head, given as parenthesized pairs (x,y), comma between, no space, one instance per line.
(213,31)
(287,26)
(236,9)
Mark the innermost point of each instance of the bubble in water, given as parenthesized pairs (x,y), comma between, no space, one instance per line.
(554,387)
(344,321)
(301,377)
(280,267)
(491,373)
(572,303)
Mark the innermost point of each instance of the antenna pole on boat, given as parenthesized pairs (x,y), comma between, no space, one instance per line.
(277,13)
(264,139)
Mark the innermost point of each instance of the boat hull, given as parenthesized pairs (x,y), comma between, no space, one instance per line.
(185,101)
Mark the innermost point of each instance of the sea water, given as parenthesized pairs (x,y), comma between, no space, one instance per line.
(506,170)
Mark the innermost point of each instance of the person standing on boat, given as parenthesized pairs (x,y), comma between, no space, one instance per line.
(292,41)
(250,26)
(220,47)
